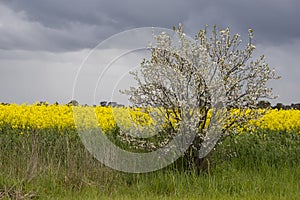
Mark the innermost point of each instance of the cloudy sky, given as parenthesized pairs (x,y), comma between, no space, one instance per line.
(44,43)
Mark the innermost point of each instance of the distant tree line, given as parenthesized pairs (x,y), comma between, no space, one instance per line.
(266,104)
(260,104)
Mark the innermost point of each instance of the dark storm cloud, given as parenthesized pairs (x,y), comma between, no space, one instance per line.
(58,13)
(275,20)
(50,38)
(83,24)
(71,25)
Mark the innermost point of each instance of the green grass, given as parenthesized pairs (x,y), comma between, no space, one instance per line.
(267,183)
(51,165)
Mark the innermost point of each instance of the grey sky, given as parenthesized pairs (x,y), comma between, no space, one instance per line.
(43,43)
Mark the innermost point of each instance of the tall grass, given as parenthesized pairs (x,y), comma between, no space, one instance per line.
(48,164)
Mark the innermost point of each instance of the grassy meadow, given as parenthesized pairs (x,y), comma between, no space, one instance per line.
(42,157)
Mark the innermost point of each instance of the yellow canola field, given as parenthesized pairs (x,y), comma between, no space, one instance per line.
(274,120)
(28,117)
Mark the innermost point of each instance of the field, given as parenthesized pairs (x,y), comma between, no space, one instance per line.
(42,157)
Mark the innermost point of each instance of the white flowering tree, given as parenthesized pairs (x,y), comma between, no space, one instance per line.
(185,78)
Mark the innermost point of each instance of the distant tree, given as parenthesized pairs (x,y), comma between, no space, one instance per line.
(73,103)
(103,103)
(185,78)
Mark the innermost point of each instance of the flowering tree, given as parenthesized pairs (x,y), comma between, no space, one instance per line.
(186,78)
